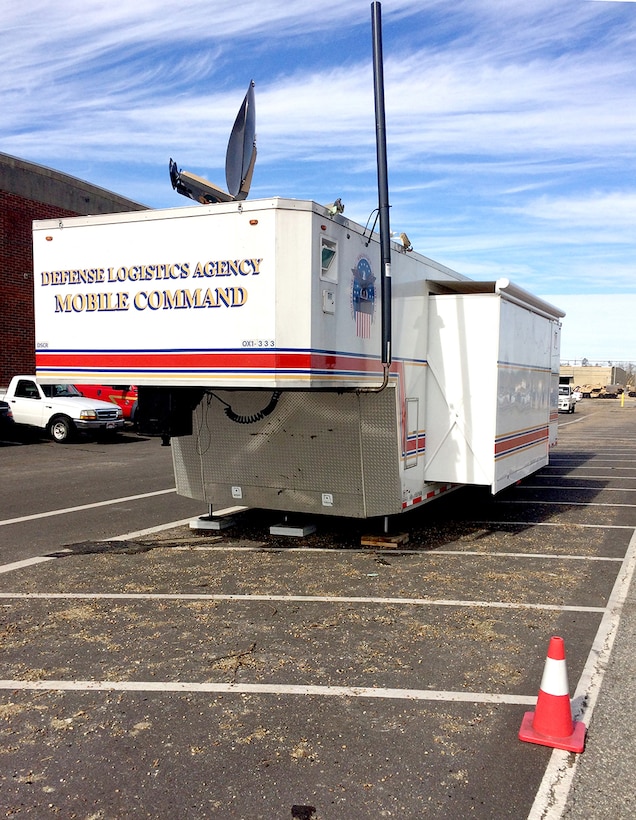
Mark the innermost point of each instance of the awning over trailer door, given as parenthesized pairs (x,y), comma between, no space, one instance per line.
(502,287)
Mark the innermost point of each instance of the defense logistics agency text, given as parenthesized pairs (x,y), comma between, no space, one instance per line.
(197,297)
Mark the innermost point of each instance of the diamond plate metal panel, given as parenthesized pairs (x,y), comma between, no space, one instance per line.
(316,452)
(380,453)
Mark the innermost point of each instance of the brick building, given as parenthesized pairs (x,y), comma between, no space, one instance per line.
(28,192)
(596,375)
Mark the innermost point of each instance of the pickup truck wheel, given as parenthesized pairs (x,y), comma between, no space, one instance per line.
(61,429)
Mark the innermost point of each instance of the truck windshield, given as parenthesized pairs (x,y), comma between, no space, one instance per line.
(564,391)
(54,390)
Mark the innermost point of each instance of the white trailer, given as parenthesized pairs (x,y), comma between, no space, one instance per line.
(253,332)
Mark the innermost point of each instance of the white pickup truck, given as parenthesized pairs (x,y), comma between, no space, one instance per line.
(60,409)
(567,399)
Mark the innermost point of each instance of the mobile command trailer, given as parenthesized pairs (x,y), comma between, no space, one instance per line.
(252,330)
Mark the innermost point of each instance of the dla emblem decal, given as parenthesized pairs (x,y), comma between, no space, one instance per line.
(363,297)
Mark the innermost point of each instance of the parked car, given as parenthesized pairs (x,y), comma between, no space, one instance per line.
(124,396)
(59,409)
(567,402)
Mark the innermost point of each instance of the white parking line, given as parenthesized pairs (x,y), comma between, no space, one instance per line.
(66,510)
(581,478)
(573,487)
(27,562)
(322,599)
(151,530)
(590,463)
(477,554)
(552,555)
(224,547)
(561,503)
(267,689)
(556,524)
(571,421)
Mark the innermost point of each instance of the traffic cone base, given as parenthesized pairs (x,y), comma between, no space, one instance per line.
(573,743)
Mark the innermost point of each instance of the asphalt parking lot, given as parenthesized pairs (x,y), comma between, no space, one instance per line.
(241,675)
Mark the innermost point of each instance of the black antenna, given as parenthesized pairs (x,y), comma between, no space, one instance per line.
(383,183)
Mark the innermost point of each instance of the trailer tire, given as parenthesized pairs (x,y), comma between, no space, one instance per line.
(61,429)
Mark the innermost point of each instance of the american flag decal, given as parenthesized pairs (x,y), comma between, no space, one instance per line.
(363,297)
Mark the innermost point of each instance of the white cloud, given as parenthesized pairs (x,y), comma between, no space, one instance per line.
(609,213)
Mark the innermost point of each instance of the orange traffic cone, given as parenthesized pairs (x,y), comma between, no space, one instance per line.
(551,723)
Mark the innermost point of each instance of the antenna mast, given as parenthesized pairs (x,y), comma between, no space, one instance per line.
(383,183)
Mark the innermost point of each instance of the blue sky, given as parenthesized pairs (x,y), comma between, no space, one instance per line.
(511,126)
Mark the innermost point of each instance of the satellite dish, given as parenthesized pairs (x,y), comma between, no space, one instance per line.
(240,159)
(241,149)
